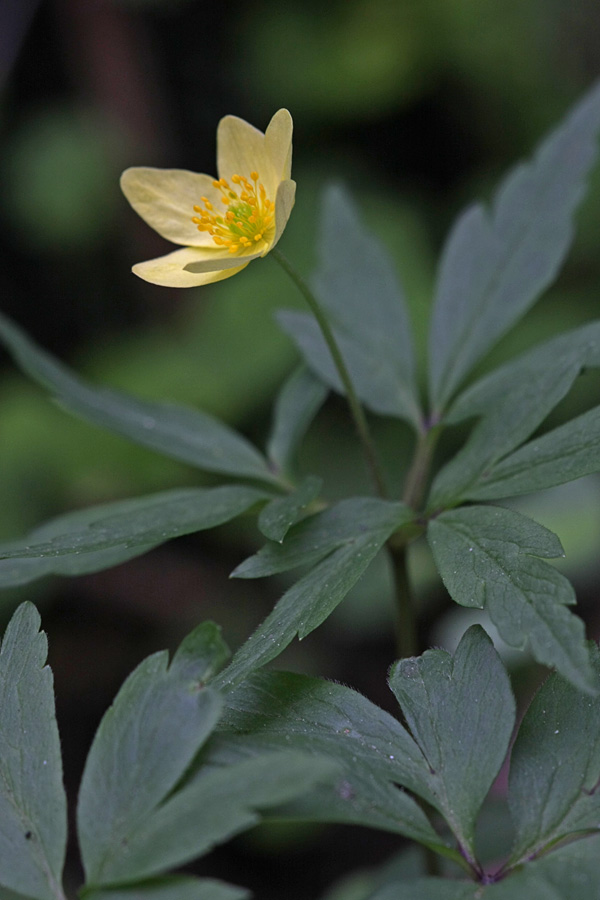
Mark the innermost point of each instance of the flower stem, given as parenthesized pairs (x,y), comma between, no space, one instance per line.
(356,409)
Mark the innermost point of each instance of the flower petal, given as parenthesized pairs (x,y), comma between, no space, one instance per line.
(278,143)
(241,150)
(173,270)
(204,261)
(284,203)
(165,199)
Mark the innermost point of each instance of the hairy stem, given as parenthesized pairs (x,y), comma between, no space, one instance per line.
(356,409)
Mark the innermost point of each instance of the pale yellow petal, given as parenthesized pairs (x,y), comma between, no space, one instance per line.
(172,270)
(165,199)
(206,261)
(284,203)
(278,143)
(241,150)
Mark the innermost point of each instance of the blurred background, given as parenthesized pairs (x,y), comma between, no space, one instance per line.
(419,106)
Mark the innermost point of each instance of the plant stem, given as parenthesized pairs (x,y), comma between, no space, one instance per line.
(406,615)
(407,643)
(416,480)
(356,409)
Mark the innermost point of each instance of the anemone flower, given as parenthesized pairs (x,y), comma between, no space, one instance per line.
(223,223)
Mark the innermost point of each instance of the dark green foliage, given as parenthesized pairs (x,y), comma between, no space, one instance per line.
(357,287)
(494,267)
(193,752)
(488,557)
(33,815)
(461,712)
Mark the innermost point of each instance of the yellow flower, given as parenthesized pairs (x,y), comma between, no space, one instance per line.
(224,223)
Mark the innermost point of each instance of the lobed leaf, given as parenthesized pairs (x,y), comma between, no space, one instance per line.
(358,290)
(178,432)
(495,266)
(488,558)
(555,767)
(160,718)
(461,712)
(512,402)
(33,815)
(217,803)
(341,543)
(373,751)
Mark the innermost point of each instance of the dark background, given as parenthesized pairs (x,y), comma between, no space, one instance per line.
(418,106)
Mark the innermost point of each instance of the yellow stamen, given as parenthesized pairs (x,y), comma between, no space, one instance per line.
(246,219)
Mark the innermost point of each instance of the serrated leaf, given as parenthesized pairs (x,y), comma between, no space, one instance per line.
(495,266)
(345,538)
(215,804)
(280,709)
(175,888)
(488,558)
(135,524)
(277,517)
(160,718)
(296,405)
(555,767)
(178,432)
(358,290)
(513,400)
(33,817)
(461,713)
(560,455)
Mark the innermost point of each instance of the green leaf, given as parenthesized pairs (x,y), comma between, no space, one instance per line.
(278,516)
(213,805)
(495,266)
(33,816)
(314,538)
(487,558)
(345,539)
(358,290)
(23,570)
(182,887)
(555,767)
(160,718)
(429,889)
(136,524)
(185,434)
(513,400)
(560,455)
(571,873)
(283,710)
(296,405)
(461,713)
